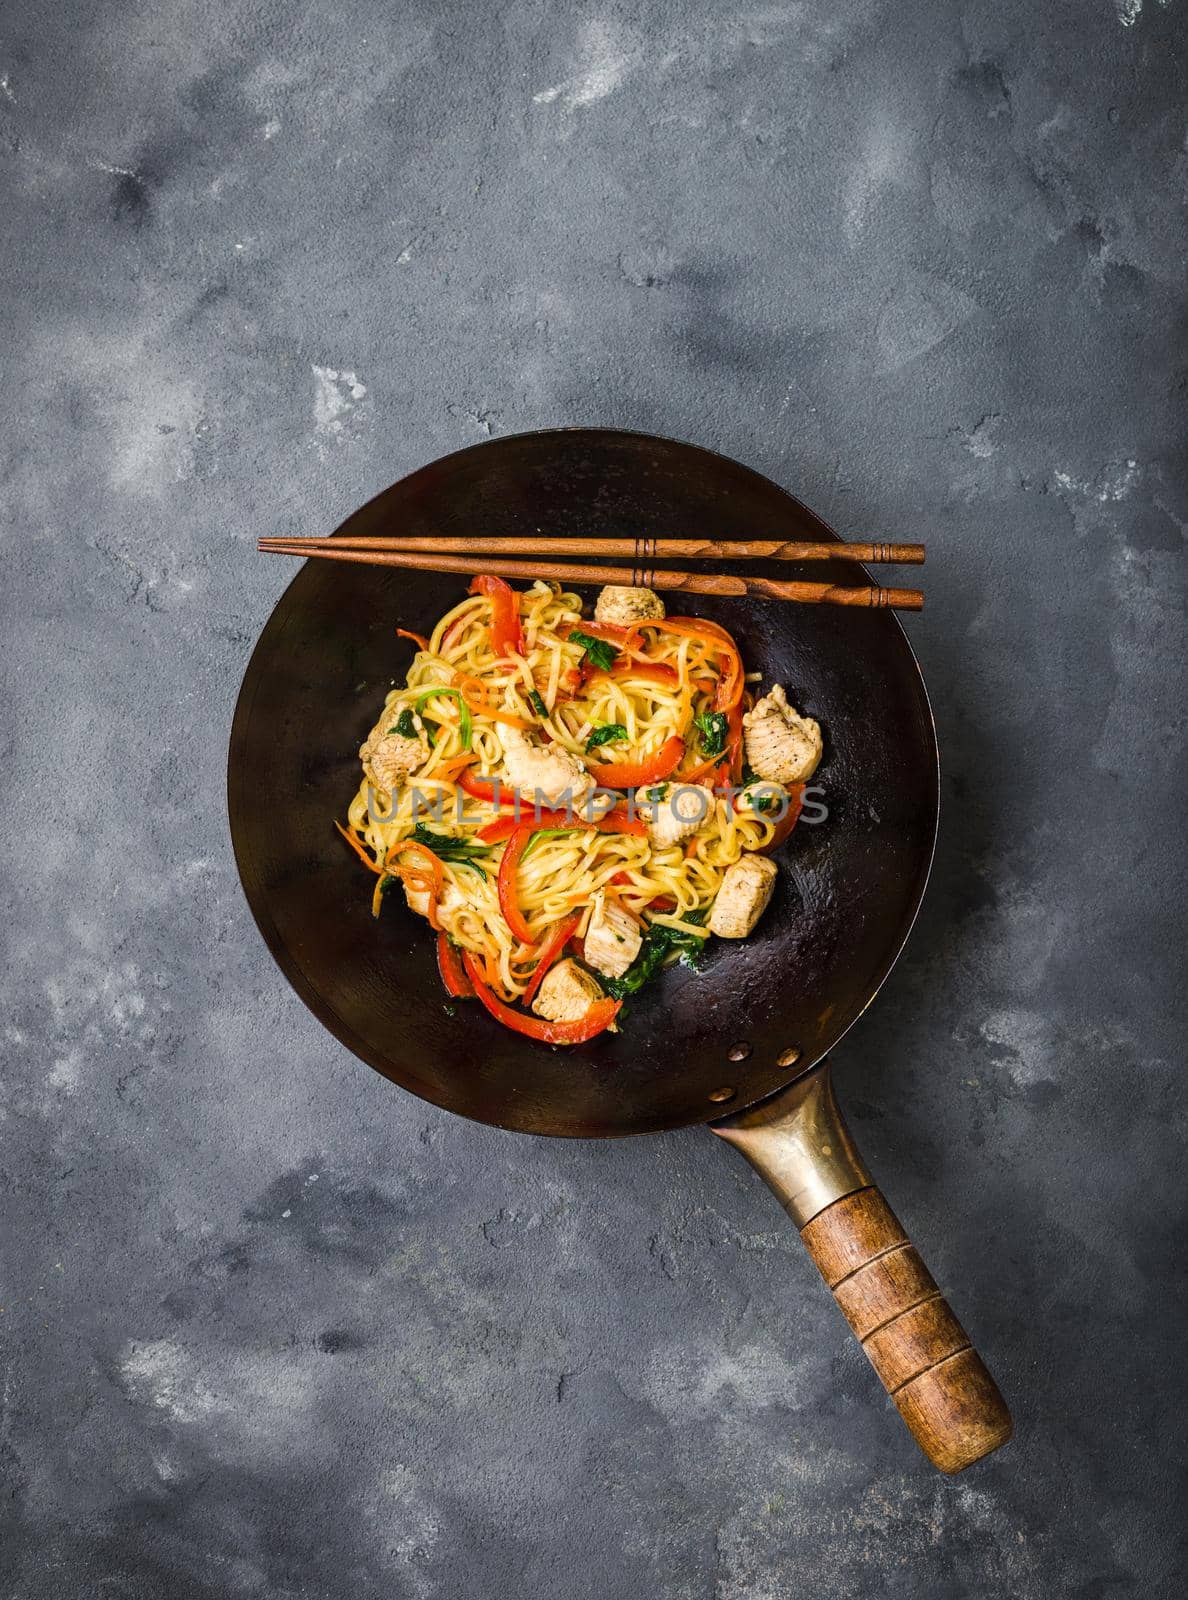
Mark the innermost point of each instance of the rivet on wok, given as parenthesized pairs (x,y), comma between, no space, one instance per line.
(739,1051)
(789,1058)
(721,1094)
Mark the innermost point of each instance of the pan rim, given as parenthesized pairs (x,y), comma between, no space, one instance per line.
(324,1010)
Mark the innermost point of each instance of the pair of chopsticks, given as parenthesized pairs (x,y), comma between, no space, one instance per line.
(491,555)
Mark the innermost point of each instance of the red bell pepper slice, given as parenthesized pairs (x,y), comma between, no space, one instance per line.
(649,671)
(613,822)
(730,688)
(624,637)
(508,903)
(506,634)
(453,973)
(789,819)
(550,950)
(599,1017)
(484,789)
(661,763)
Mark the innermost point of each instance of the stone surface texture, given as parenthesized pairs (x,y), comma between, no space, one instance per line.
(271,1328)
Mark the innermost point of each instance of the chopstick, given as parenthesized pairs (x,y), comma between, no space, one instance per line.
(644,548)
(580,572)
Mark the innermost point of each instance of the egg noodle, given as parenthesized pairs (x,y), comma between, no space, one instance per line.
(661,678)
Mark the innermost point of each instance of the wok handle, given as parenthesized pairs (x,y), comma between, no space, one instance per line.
(799,1144)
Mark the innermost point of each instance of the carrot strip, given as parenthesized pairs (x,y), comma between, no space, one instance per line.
(474,692)
(417,638)
(358,848)
(428,880)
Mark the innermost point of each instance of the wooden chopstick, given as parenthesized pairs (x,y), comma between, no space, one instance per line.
(580,572)
(639,549)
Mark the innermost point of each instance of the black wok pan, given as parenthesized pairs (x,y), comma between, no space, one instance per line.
(746,1036)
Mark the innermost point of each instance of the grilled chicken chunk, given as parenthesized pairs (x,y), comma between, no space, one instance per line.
(673,811)
(613,937)
(390,758)
(746,889)
(622,606)
(763,799)
(547,770)
(566,993)
(781,744)
(418,899)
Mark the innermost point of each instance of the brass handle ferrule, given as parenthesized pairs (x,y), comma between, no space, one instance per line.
(797,1142)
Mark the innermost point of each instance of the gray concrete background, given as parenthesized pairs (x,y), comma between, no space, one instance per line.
(272,1328)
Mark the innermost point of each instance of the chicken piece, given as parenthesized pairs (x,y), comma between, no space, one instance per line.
(613,937)
(451,899)
(390,758)
(742,899)
(673,811)
(763,799)
(622,606)
(781,744)
(547,771)
(566,993)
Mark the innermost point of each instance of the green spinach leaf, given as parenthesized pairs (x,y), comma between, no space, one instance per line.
(597,651)
(713,727)
(609,733)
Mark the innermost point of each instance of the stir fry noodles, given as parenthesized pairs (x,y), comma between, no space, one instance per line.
(573,803)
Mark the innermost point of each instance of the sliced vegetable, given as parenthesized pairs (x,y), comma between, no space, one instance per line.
(547,822)
(598,652)
(599,1017)
(476,698)
(661,763)
(367,860)
(465,726)
(789,820)
(425,878)
(544,833)
(660,942)
(506,634)
(608,733)
(536,701)
(648,671)
(624,636)
(549,951)
(730,686)
(418,639)
(447,848)
(492,789)
(453,973)
(734,739)
(449,770)
(508,901)
(714,727)
(404,725)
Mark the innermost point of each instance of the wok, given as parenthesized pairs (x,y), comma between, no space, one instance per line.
(740,1044)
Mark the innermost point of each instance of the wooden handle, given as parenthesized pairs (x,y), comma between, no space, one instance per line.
(799,1144)
(923,1355)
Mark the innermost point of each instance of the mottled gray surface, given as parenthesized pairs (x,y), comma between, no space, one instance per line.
(272,1328)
